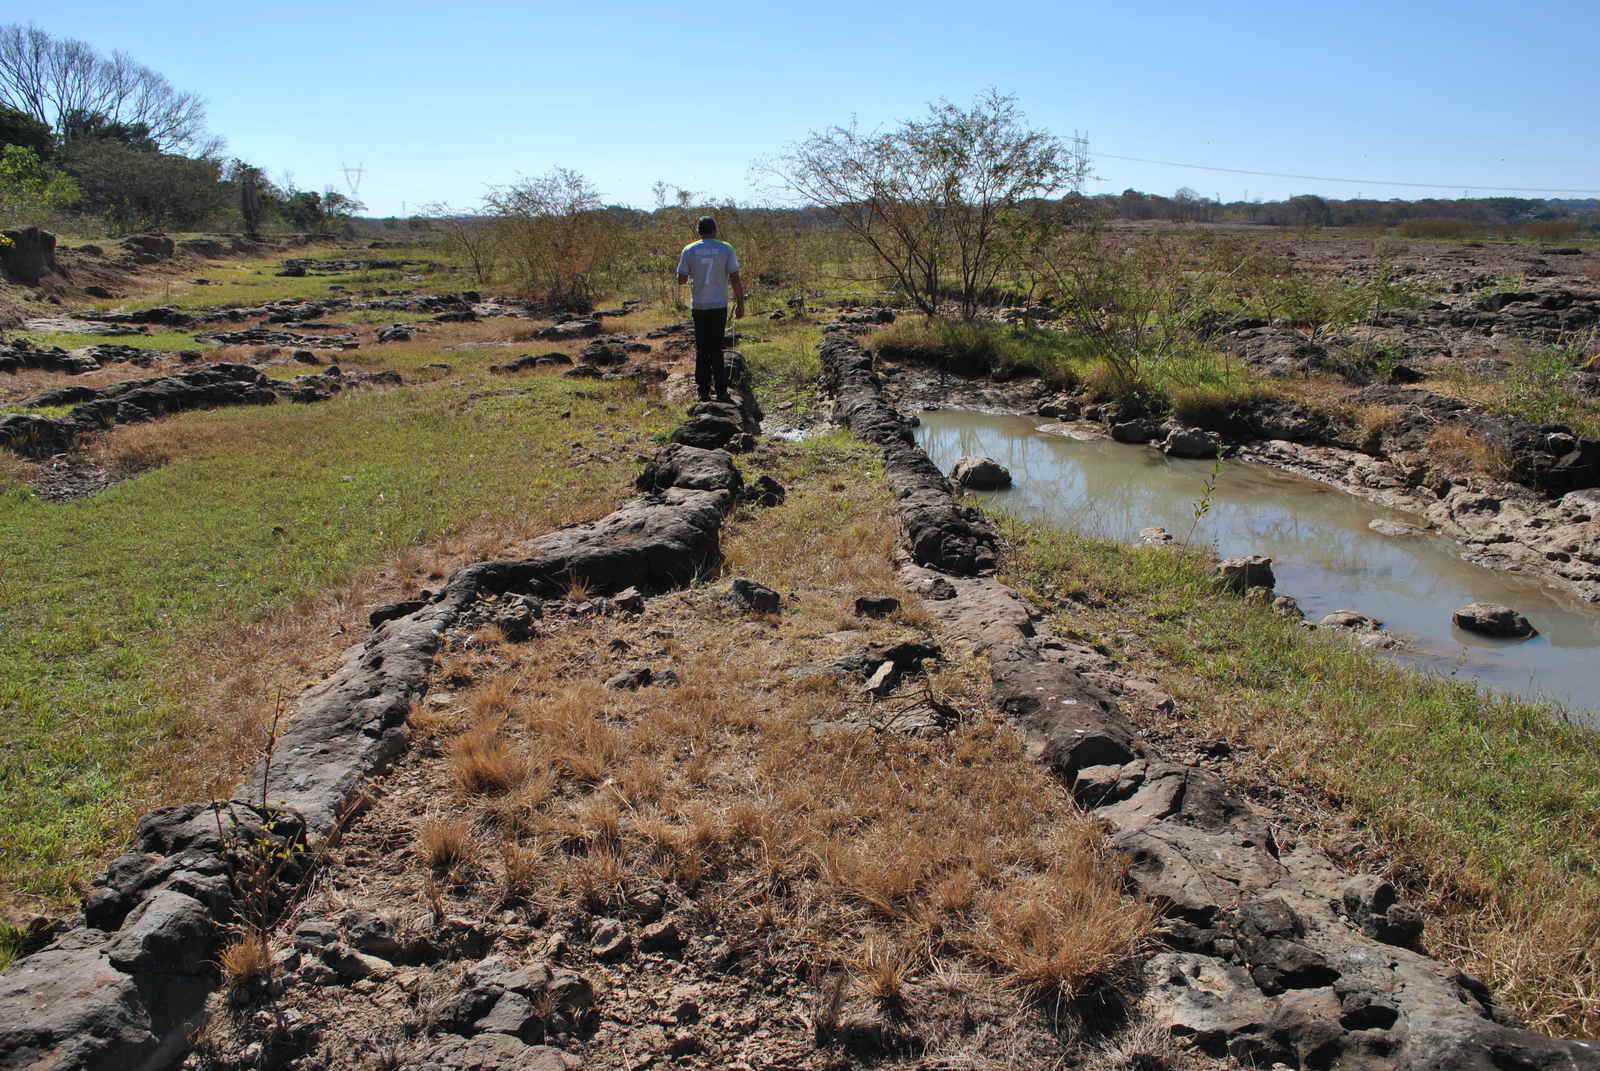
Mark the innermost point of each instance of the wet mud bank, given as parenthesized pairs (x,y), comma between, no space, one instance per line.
(1271,952)
(125,983)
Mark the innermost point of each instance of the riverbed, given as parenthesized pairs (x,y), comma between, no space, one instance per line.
(1324,552)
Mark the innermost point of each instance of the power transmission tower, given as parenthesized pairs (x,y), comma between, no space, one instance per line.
(352,180)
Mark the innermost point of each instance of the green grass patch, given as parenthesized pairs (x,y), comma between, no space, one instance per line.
(260,507)
(1493,797)
(982,346)
(1194,383)
(785,363)
(52,411)
(155,340)
(255,281)
(1538,387)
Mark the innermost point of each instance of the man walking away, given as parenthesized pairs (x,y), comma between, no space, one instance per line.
(709,266)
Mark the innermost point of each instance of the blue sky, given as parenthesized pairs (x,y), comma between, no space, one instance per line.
(438,102)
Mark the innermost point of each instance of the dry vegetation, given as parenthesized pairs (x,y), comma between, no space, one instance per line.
(1459,448)
(764,798)
(879,850)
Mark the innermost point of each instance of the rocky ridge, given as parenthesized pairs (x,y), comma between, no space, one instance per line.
(125,983)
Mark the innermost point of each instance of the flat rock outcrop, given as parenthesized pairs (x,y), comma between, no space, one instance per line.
(139,400)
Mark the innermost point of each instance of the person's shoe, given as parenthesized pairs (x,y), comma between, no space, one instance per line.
(705,396)
(722,395)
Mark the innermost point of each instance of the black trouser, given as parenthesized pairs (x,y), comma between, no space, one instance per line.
(709,371)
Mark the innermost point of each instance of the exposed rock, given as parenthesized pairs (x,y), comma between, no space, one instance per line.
(1492,619)
(140,400)
(265,336)
(1395,529)
(876,605)
(1276,351)
(630,680)
(708,427)
(604,353)
(566,332)
(611,942)
(1134,431)
(496,1052)
(1349,619)
(664,936)
(757,598)
(1240,574)
(1155,536)
(1191,442)
(394,333)
(765,491)
(979,474)
(939,532)
(1061,408)
(932,587)
(22,354)
(690,467)
(28,256)
(157,246)
(531,360)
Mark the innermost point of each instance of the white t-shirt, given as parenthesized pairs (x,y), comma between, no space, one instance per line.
(708,263)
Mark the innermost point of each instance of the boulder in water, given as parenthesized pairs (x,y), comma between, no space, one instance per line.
(1493,619)
(979,474)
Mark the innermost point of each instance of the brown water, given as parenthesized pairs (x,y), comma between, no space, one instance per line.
(1317,536)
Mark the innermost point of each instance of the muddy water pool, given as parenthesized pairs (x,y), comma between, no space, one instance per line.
(1324,554)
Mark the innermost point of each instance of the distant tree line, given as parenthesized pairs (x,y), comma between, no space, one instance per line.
(101,142)
(1311,210)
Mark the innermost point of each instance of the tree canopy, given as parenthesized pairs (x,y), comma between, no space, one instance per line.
(61,80)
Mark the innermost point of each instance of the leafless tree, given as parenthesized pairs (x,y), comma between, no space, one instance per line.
(54,79)
(471,235)
(555,231)
(948,203)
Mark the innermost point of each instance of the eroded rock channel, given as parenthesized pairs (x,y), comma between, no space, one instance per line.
(1273,953)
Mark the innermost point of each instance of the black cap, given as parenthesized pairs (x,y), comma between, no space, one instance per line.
(706,226)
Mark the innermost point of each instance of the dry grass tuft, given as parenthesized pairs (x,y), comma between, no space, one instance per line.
(519,870)
(427,720)
(129,449)
(1372,423)
(483,763)
(490,635)
(1051,930)
(1461,449)
(492,698)
(881,969)
(244,959)
(445,842)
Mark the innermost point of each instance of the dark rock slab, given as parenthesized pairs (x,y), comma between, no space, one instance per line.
(29,256)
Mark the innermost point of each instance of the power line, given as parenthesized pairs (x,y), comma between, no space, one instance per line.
(1354,182)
